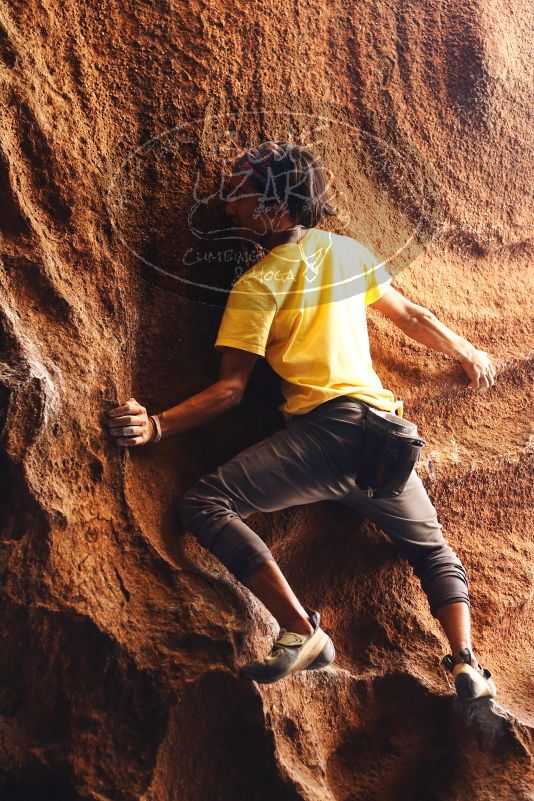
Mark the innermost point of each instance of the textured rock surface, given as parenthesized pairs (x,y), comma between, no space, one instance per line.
(120,637)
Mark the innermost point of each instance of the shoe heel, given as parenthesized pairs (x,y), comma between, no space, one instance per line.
(325,658)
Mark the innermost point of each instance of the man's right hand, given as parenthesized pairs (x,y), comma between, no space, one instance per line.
(480,369)
(129,424)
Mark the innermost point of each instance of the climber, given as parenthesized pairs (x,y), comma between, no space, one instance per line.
(303,308)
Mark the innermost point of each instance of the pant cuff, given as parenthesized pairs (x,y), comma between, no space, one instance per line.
(255,561)
(434,609)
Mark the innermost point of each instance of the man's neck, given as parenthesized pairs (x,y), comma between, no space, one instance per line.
(288,235)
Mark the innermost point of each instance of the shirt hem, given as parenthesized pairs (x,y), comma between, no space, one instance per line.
(233,343)
(398,406)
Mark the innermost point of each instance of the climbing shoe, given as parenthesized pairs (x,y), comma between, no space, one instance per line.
(292,652)
(470,683)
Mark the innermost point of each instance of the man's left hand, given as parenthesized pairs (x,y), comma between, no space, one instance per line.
(480,370)
(129,424)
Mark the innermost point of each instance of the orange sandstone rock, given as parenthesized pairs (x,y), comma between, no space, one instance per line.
(121,638)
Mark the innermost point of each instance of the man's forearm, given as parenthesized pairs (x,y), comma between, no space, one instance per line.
(198,409)
(424,327)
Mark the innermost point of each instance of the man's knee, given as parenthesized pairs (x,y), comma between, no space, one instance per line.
(190,506)
(200,506)
(211,518)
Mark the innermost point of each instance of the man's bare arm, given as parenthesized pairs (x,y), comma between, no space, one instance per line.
(226,392)
(235,370)
(421,324)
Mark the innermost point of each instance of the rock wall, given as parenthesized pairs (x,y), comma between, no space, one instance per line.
(121,638)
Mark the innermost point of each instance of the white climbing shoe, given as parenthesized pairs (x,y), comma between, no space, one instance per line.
(470,683)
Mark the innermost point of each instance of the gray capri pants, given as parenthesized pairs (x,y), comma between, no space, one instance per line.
(312,459)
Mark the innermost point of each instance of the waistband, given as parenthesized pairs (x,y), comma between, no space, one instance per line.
(342,399)
(339,400)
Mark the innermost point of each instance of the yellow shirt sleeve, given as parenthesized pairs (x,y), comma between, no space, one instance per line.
(377,278)
(247,317)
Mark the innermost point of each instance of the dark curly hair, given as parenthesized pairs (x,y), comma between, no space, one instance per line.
(288,173)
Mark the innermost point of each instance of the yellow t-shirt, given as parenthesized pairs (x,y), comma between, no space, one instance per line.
(302,307)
